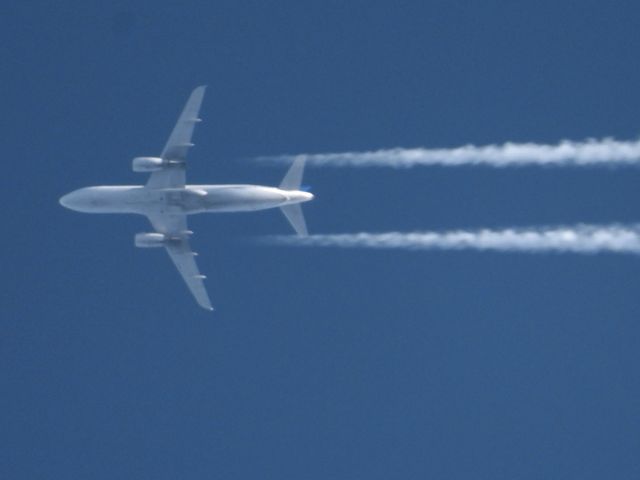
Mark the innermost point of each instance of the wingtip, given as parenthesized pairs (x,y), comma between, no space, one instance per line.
(207,306)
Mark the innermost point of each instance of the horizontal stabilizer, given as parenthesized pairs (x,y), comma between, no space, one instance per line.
(296,218)
(293,179)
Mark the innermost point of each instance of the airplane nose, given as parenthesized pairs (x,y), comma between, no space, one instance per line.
(65,200)
(72,201)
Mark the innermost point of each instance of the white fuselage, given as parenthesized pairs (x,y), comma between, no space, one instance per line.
(188,200)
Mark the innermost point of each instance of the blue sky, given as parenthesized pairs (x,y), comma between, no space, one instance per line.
(317,363)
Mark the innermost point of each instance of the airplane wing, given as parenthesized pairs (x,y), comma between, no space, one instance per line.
(175,225)
(177,147)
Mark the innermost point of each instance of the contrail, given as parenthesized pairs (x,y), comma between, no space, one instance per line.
(591,152)
(583,239)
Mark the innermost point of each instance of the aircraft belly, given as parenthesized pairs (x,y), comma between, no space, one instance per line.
(239,200)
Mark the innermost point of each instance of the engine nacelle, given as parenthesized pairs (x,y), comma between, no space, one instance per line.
(147,164)
(150,240)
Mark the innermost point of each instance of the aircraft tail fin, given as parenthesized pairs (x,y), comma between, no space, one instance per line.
(293,178)
(296,218)
(293,181)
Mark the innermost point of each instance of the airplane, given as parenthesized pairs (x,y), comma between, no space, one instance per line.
(166,200)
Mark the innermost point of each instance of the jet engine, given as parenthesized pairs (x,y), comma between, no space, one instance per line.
(147,164)
(150,240)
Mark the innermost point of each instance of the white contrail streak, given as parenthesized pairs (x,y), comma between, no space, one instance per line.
(584,239)
(606,151)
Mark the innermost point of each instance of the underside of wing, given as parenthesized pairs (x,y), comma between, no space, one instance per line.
(173,175)
(174,226)
(183,258)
